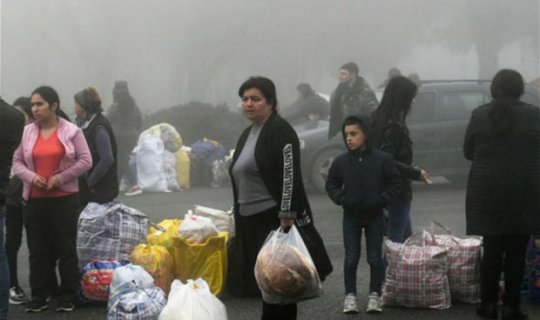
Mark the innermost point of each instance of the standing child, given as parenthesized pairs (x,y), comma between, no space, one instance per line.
(362,180)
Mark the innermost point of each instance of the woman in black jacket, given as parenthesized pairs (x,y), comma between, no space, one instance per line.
(503,192)
(268,190)
(390,134)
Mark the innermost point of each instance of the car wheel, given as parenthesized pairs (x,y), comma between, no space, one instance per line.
(320,167)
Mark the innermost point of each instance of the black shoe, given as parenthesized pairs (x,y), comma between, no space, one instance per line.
(65,306)
(514,313)
(487,311)
(36,306)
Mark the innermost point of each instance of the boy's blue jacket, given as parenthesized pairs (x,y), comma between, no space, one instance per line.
(363,182)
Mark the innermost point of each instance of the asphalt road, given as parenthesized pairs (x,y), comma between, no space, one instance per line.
(441,202)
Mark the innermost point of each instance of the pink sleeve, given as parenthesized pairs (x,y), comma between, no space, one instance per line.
(19,167)
(83,157)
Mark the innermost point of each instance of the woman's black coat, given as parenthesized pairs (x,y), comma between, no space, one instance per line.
(503,192)
(277,143)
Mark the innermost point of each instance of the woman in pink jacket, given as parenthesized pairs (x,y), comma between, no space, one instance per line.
(53,153)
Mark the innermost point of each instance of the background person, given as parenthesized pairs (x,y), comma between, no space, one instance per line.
(308,106)
(390,134)
(11,128)
(100,183)
(503,192)
(258,174)
(52,155)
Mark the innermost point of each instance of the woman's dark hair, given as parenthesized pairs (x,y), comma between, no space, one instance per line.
(395,105)
(506,88)
(265,86)
(51,96)
(351,67)
(26,106)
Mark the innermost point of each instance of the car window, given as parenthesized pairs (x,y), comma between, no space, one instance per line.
(423,108)
(457,105)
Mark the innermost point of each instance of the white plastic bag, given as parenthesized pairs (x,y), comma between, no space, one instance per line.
(130,276)
(169,167)
(224,221)
(196,229)
(284,271)
(150,170)
(192,301)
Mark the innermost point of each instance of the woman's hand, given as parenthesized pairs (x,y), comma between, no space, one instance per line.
(39,182)
(53,182)
(424,176)
(287,223)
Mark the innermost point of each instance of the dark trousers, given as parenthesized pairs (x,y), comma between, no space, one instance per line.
(503,252)
(14,228)
(251,232)
(125,146)
(51,228)
(399,220)
(352,239)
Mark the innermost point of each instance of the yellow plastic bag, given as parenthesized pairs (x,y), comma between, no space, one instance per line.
(183,169)
(157,261)
(207,260)
(165,238)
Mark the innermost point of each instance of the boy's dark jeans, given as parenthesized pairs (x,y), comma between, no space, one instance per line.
(51,226)
(352,239)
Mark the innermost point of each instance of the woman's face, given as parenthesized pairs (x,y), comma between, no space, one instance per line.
(41,109)
(255,106)
(79,111)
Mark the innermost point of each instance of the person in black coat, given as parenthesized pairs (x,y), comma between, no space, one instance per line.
(100,183)
(308,107)
(503,191)
(390,134)
(268,192)
(363,180)
(11,129)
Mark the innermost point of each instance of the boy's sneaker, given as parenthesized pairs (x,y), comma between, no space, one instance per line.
(134,191)
(374,303)
(64,306)
(349,305)
(17,296)
(36,306)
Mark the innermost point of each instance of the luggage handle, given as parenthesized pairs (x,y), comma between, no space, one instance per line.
(159,228)
(437,224)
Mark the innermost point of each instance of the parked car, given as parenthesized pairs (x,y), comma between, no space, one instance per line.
(437,125)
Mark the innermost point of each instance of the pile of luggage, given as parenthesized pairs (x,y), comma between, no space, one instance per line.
(432,270)
(132,267)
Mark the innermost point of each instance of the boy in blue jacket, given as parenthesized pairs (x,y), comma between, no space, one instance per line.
(362,180)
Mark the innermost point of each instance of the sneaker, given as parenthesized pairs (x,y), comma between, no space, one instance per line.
(17,296)
(36,306)
(134,191)
(374,303)
(64,306)
(349,305)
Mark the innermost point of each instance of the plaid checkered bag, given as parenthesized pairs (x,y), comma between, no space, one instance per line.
(464,264)
(417,273)
(131,302)
(109,231)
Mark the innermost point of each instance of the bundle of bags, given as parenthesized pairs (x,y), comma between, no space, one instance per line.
(106,236)
(284,270)
(432,270)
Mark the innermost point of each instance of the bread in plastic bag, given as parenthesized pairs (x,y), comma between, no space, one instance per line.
(196,229)
(157,261)
(192,301)
(131,275)
(284,270)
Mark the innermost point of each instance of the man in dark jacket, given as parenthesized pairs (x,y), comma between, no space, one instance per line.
(353,96)
(11,128)
(363,181)
(308,106)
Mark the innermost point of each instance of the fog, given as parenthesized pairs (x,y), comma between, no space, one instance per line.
(177,51)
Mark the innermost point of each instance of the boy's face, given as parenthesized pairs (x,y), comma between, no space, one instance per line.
(355,137)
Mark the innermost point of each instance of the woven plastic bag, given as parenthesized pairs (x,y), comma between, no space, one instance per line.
(207,260)
(96,278)
(157,261)
(416,276)
(131,302)
(284,270)
(533,270)
(464,264)
(192,301)
(109,231)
